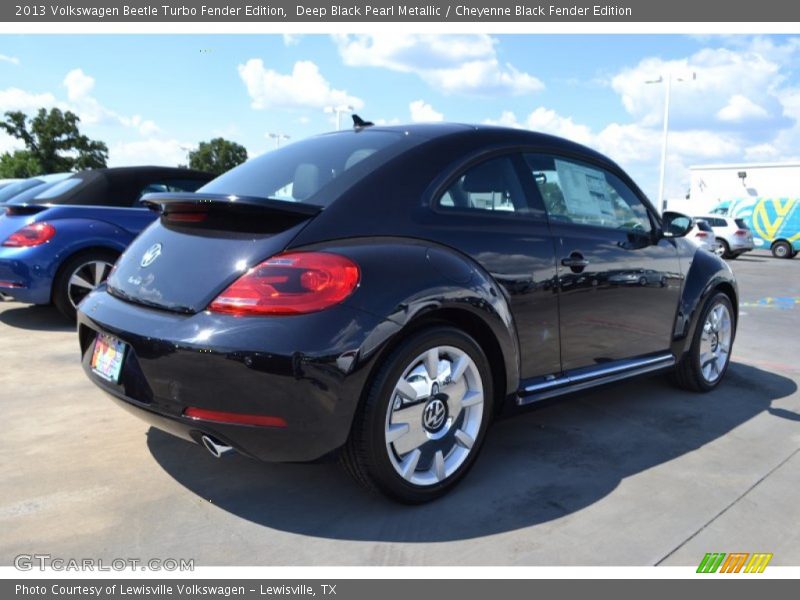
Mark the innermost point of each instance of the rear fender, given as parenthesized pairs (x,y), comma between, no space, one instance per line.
(407,281)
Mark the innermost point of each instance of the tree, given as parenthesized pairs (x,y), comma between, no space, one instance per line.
(20,164)
(53,143)
(217,156)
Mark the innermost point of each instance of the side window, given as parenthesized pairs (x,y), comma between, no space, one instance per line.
(489,186)
(583,194)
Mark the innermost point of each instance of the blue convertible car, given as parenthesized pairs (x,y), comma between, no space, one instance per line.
(59,245)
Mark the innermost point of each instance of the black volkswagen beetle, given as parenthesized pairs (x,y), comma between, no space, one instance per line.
(385,292)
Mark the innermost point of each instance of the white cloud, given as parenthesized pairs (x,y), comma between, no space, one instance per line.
(79,88)
(167,152)
(17,99)
(741,108)
(422,112)
(78,84)
(9,59)
(761,152)
(465,64)
(290,39)
(548,121)
(720,75)
(304,87)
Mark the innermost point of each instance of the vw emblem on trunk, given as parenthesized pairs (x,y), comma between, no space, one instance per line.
(434,414)
(150,256)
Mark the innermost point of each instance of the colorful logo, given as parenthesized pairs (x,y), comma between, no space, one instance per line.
(770,214)
(735,562)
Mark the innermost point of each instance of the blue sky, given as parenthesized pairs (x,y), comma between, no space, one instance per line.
(152,97)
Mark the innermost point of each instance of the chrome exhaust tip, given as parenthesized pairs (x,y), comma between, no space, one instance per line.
(216,448)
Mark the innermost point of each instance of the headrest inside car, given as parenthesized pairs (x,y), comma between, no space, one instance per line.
(484,179)
(306,181)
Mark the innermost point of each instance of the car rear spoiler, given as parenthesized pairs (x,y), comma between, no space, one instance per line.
(13,210)
(186,201)
(229,212)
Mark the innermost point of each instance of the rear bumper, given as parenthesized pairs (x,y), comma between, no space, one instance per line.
(24,277)
(740,246)
(308,370)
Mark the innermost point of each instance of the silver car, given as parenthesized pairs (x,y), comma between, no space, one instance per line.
(703,235)
(733,235)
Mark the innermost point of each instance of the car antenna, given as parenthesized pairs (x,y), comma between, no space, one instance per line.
(359,123)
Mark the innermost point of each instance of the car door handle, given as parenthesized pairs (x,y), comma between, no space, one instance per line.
(575,261)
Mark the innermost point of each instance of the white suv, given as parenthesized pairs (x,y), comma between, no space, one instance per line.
(733,235)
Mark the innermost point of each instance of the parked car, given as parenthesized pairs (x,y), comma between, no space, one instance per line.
(57,245)
(8,181)
(384,293)
(28,185)
(638,277)
(702,234)
(733,235)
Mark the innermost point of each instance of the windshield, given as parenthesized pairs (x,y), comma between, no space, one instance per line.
(303,171)
(12,190)
(740,223)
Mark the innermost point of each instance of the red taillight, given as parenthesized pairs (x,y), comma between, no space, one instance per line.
(201,414)
(741,232)
(701,234)
(294,283)
(31,235)
(186,213)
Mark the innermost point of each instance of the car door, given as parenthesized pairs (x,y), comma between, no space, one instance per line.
(486,212)
(619,281)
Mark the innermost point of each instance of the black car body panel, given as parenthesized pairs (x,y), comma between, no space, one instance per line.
(505,279)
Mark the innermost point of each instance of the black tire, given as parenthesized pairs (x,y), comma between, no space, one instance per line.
(726,249)
(366,454)
(687,373)
(782,249)
(61,283)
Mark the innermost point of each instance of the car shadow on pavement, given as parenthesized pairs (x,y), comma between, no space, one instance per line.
(36,318)
(752,259)
(534,468)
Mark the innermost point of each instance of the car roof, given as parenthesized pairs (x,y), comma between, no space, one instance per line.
(489,133)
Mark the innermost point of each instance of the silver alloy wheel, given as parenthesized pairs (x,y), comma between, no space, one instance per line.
(434,415)
(715,342)
(86,278)
(781,251)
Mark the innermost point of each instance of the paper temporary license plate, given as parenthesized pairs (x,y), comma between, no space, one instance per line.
(107,357)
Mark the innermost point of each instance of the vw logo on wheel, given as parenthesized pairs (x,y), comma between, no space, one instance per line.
(149,257)
(434,415)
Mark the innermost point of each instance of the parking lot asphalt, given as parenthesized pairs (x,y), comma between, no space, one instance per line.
(634,474)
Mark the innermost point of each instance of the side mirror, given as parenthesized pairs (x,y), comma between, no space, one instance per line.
(675,224)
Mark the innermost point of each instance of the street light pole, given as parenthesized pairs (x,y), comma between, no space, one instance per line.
(277,137)
(664,136)
(339,110)
(665,133)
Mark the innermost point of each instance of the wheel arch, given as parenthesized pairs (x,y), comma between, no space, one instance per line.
(707,275)
(67,257)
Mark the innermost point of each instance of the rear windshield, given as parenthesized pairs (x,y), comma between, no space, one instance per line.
(305,170)
(13,189)
(703,226)
(741,224)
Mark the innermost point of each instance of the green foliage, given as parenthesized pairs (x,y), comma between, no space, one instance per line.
(19,164)
(217,156)
(53,143)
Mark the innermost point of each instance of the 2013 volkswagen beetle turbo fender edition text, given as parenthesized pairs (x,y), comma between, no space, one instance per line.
(384,293)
